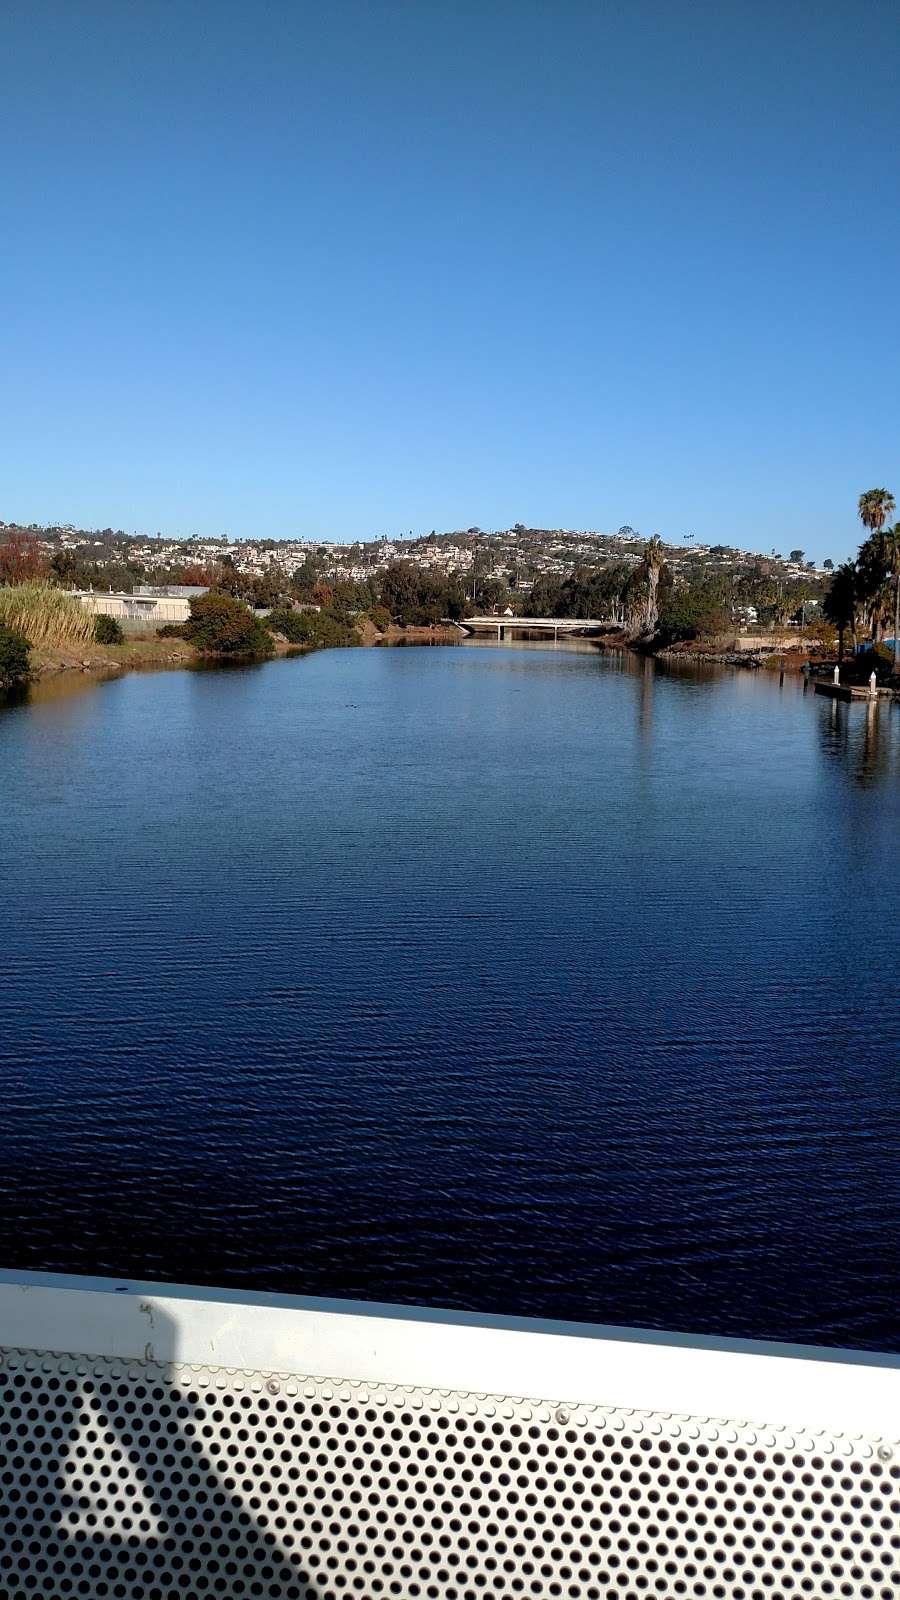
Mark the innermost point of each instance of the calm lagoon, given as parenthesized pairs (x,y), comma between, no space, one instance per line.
(512,978)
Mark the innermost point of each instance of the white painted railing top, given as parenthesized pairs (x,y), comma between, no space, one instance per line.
(155,1438)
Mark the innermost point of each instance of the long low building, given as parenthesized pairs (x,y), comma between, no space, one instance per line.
(150,606)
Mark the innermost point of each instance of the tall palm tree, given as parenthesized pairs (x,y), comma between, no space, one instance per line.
(891,537)
(654,556)
(875,506)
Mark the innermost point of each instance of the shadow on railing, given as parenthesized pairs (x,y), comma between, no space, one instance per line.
(141,1471)
(123,1482)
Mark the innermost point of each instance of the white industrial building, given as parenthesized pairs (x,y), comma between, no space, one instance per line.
(146,604)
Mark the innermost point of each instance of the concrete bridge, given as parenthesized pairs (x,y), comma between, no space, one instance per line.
(555,627)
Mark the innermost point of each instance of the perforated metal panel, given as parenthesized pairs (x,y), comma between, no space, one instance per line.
(136,1480)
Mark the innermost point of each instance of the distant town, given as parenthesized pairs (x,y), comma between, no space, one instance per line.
(517,562)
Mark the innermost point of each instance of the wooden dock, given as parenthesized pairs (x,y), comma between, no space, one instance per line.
(852,691)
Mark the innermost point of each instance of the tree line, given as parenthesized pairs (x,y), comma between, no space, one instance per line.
(644,598)
(865,593)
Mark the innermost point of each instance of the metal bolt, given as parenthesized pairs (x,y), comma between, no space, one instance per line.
(884,1452)
(273,1386)
(562,1416)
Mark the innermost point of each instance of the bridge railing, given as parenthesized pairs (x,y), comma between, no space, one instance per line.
(502,625)
(156,1439)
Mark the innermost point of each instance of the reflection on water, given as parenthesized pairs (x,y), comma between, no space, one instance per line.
(46,691)
(513,977)
(861,739)
(426,641)
(542,644)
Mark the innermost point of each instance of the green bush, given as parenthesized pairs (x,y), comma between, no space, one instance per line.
(108,631)
(318,629)
(222,626)
(692,613)
(381,618)
(14,651)
(171,630)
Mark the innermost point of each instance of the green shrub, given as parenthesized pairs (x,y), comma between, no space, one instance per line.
(318,629)
(692,613)
(381,618)
(223,626)
(14,652)
(171,630)
(108,631)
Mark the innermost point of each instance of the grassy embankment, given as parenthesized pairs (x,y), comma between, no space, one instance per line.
(61,634)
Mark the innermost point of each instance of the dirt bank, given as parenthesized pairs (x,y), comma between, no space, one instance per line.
(138,654)
(436,633)
(104,659)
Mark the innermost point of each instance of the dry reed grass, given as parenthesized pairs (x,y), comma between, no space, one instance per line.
(45,615)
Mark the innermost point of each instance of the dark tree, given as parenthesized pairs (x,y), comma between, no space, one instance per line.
(21,558)
(842,601)
(64,568)
(221,625)
(14,651)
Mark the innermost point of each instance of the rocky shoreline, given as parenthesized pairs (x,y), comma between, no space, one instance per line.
(789,660)
(789,654)
(110,660)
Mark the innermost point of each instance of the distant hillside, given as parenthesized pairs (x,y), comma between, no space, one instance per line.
(522,556)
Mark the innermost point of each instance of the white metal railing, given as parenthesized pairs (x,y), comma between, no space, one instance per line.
(155,1438)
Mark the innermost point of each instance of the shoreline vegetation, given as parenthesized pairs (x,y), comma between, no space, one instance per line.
(64,647)
(146,651)
(733,618)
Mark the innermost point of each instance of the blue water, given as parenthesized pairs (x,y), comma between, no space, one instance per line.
(524,980)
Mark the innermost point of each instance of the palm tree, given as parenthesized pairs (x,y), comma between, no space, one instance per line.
(839,604)
(891,538)
(654,555)
(875,506)
(873,583)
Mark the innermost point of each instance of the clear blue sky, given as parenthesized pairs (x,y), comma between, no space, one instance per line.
(334,269)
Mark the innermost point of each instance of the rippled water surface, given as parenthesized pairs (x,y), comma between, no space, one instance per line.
(524,980)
